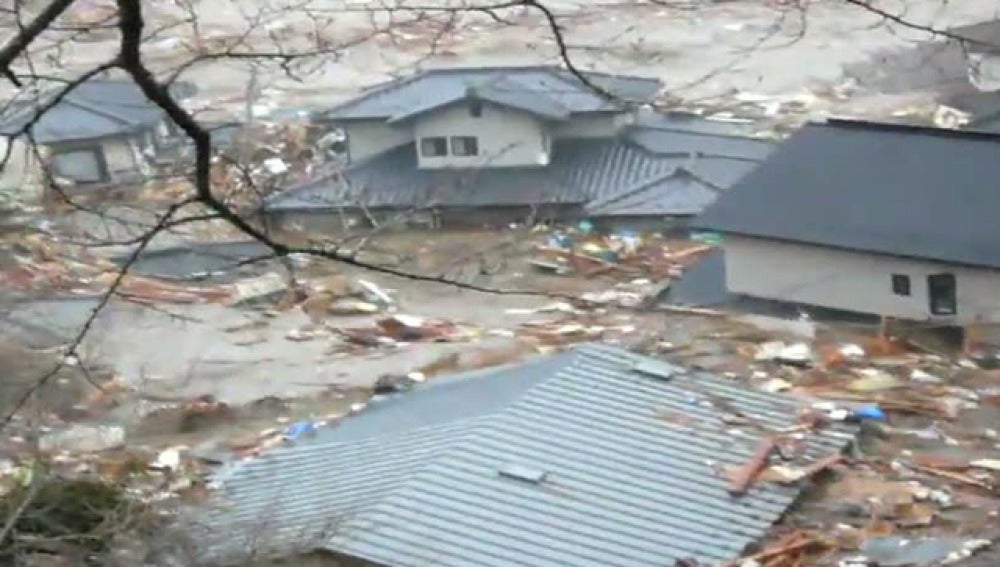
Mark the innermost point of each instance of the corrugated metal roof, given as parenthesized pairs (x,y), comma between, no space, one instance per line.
(417,479)
(525,86)
(641,160)
(677,193)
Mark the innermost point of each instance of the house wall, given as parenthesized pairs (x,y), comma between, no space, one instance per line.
(853,281)
(591,125)
(21,174)
(366,138)
(121,154)
(505,137)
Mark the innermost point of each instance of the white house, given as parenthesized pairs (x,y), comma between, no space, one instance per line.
(485,144)
(891,220)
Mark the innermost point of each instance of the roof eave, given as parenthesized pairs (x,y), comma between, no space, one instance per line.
(951,262)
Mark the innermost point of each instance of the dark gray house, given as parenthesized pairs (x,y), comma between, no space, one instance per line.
(890,220)
(104,133)
(481,145)
(592,457)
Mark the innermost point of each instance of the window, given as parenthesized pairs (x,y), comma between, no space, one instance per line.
(81,166)
(464,145)
(941,289)
(433,147)
(476,109)
(901,284)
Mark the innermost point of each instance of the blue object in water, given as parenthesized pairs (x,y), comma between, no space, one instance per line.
(299,429)
(585,226)
(560,240)
(869,413)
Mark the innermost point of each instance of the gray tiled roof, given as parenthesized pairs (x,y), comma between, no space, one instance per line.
(892,189)
(544,90)
(416,479)
(93,109)
(643,159)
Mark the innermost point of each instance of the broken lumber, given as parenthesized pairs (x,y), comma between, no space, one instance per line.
(743,478)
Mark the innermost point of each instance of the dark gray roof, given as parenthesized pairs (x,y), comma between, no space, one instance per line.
(547,91)
(982,107)
(980,37)
(194,260)
(645,165)
(94,109)
(422,478)
(893,189)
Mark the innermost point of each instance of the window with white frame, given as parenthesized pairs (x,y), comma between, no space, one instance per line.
(435,146)
(464,146)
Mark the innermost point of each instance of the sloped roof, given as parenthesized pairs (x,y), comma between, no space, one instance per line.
(580,169)
(543,90)
(643,158)
(981,37)
(983,108)
(680,192)
(424,478)
(93,109)
(892,189)
(505,93)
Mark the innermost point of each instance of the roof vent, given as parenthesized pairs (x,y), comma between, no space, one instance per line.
(654,368)
(522,473)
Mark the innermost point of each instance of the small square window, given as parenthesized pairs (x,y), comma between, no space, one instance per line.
(464,146)
(901,284)
(434,147)
(476,109)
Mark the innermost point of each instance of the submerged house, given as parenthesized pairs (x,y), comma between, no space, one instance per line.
(891,220)
(495,145)
(570,459)
(104,133)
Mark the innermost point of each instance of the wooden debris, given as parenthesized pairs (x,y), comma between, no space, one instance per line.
(744,476)
(951,475)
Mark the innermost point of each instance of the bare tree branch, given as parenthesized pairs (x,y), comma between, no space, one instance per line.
(23,39)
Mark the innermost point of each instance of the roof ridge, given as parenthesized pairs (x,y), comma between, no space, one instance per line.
(859,124)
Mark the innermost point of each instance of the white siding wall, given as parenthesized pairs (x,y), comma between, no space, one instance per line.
(120,155)
(372,137)
(853,281)
(591,126)
(506,138)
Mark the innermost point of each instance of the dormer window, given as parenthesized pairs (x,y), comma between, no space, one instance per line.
(464,146)
(476,109)
(435,146)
